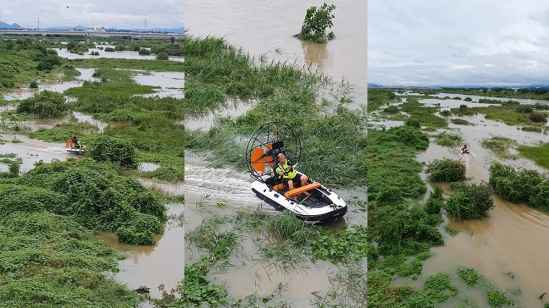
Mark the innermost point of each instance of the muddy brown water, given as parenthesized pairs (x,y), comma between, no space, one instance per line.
(267,28)
(512,239)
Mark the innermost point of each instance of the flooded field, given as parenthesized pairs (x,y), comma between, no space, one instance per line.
(507,246)
(273,29)
(211,191)
(148,266)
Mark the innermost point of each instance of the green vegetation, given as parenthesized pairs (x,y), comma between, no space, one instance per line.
(448,140)
(50,260)
(26,60)
(379,97)
(282,240)
(539,154)
(500,146)
(317,20)
(77,48)
(469,201)
(425,115)
(460,122)
(520,186)
(44,105)
(94,194)
(446,170)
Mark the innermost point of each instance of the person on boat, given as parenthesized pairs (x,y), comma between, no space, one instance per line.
(75,143)
(464,149)
(286,170)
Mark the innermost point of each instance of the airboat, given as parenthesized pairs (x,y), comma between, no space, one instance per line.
(313,202)
(71,148)
(464,149)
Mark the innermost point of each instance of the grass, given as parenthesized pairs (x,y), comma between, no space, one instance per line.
(448,140)
(460,122)
(539,154)
(500,146)
(509,118)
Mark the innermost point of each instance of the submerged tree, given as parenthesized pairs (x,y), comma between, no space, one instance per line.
(317,20)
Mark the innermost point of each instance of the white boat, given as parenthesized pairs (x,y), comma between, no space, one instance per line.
(313,203)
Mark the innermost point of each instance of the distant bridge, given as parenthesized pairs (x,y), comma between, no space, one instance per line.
(87,34)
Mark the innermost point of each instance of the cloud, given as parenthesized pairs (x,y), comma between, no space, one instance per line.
(119,13)
(466,42)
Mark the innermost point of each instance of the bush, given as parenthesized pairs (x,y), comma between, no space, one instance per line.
(34,84)
(513,185)
(435,202)
(537,117)
(470,201)
(48,62)
(113,150)
(524,109)
(391,109)
(446,170)
(445,113)
(109,49)
(413,123)
(144,51)
(45,104)
(162,56)
(410,137)
(317,20)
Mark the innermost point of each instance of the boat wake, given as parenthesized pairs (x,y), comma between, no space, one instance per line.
(217,185)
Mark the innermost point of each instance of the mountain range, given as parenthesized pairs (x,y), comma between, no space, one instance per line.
(4,25)
(180,30)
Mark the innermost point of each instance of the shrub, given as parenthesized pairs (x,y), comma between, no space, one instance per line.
(410,137)
(537,117)
(45,104)
(317,20)
(162,56)
(435,201)
(445,113)
(446,170)
(470,201)
(391,109)
(513,185)
(524,109)
(113,150)
(468,99)
(48,62)
(109,49)
(413,123)
(34,84)
(144,51)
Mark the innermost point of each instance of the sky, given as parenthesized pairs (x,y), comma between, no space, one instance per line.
(452,43)
(128,14)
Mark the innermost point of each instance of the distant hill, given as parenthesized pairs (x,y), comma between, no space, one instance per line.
(4,25)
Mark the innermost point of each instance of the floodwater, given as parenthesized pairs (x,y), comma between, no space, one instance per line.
(512,239)
(267,28)
(64,53)
(476,98)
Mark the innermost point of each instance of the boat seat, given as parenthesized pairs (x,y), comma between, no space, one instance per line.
(301,189)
